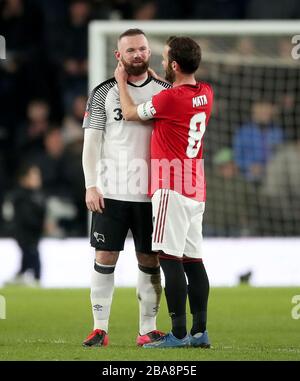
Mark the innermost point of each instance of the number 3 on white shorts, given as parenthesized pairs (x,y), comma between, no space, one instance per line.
(195,135)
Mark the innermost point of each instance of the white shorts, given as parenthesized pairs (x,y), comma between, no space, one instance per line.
(177,224)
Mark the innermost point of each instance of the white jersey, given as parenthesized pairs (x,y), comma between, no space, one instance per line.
(124,164)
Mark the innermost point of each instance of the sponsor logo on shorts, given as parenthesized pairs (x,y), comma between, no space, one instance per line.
(99,237)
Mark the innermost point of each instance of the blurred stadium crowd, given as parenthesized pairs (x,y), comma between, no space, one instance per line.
(43,88)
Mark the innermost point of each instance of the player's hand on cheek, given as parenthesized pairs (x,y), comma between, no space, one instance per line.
(153,73)
(120,73)
(117,74)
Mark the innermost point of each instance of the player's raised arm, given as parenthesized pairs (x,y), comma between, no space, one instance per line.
(129,109)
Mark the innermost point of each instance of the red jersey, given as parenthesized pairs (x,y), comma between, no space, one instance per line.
(181,115)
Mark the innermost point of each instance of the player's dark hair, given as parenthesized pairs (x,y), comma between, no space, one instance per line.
(170,39)
(186,52)
(131,32)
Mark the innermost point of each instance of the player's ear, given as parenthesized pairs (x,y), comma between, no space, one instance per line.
(149,52)
(117,55)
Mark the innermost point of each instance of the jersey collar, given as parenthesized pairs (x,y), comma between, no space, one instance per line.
(149,79)
(189,85)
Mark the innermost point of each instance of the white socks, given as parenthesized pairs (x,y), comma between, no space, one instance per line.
(148,292)
(102,288)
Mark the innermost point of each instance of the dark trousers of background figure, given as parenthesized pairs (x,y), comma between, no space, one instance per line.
(30,260)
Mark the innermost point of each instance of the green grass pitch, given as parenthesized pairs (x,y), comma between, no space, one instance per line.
(245,323)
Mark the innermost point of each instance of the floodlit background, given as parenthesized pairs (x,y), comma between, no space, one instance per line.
(252,144)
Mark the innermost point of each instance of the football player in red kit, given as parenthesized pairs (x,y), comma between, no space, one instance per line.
(177,185)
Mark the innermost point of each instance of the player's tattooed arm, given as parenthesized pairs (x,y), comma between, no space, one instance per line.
(129,109)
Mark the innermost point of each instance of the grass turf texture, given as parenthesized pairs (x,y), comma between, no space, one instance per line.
(244,324)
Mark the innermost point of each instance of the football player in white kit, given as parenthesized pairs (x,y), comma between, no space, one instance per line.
(112,150)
